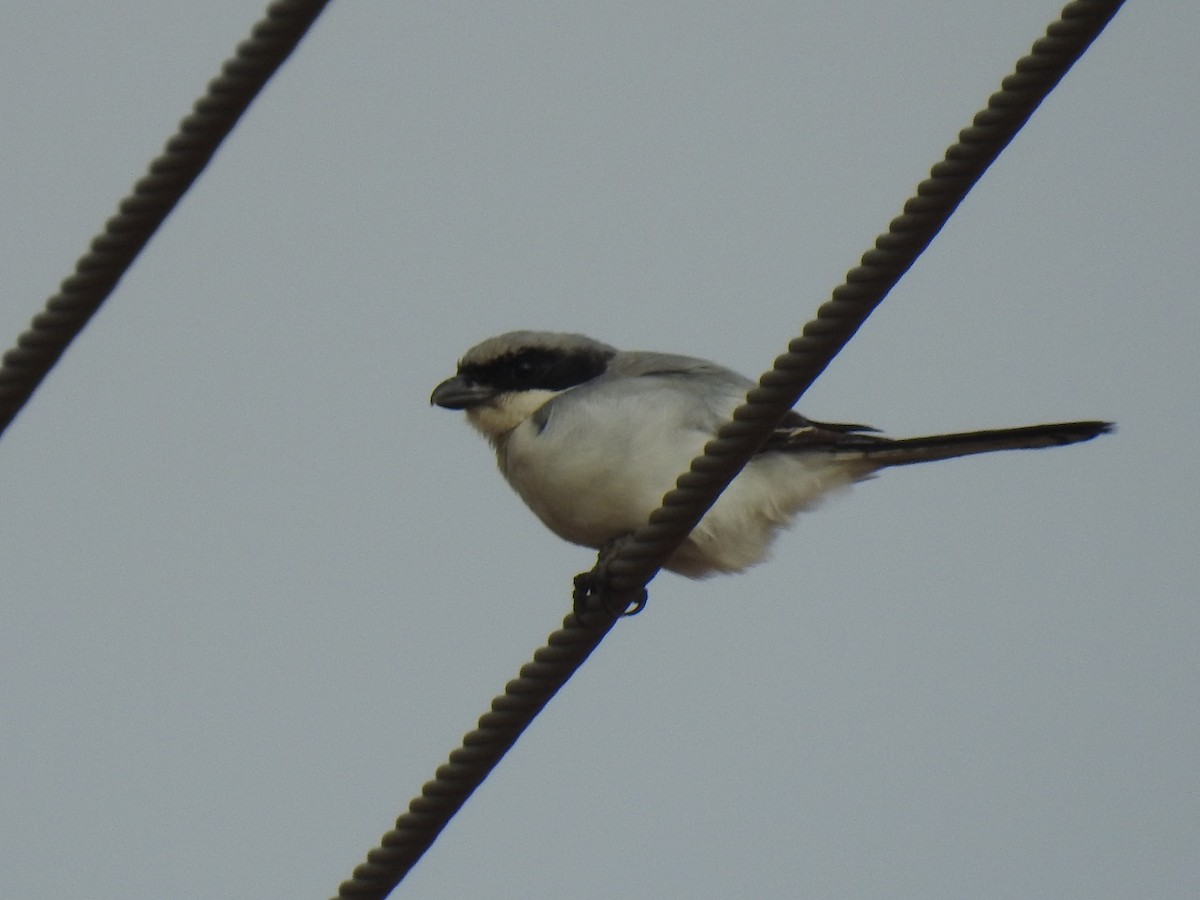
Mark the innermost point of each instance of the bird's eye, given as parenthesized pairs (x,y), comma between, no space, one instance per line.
(523,367)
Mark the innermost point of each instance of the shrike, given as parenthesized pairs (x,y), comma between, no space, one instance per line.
(592,437)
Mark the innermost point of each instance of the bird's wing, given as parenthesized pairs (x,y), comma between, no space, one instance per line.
(702,395)
(797,433)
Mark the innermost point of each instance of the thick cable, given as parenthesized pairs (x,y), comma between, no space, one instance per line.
(139,215)
(497,731)
(631,566)
(625,572)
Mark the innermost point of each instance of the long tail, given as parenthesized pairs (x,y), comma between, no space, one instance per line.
(905,451)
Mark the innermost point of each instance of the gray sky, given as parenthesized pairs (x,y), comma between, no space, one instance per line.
(255,589)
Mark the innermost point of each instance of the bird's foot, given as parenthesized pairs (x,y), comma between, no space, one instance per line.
(594,598)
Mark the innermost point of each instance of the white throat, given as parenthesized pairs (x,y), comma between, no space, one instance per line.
(501,415)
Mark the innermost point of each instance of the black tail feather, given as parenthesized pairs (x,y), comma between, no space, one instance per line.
(905,451)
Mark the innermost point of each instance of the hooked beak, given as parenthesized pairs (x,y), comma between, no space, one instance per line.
(460,393)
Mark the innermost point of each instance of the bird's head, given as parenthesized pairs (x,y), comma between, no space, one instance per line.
(504,380)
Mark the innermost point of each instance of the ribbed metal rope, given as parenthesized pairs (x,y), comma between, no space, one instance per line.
(630,567)
(497,731)
(112,252)
(637,562)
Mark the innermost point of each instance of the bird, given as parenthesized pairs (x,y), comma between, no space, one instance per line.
(591,438)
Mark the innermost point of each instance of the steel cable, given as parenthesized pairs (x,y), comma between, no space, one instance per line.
(497,731)
(624,574)
(139,215)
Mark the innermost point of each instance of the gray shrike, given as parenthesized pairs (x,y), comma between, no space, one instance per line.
(592,437)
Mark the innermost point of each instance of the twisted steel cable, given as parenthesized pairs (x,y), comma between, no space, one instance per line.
(139,215)
(623,574)
(497,731)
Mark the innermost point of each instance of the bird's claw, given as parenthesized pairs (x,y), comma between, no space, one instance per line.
(593,592)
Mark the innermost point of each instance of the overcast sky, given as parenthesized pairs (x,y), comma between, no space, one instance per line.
(254,589)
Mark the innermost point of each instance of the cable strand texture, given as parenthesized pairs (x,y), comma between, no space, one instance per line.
(140,214)
(628,571)
(481,750)
(636,562)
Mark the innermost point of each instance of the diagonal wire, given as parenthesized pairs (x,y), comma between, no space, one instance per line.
(625,573)
(638,560)
(139,215)
(481,750)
